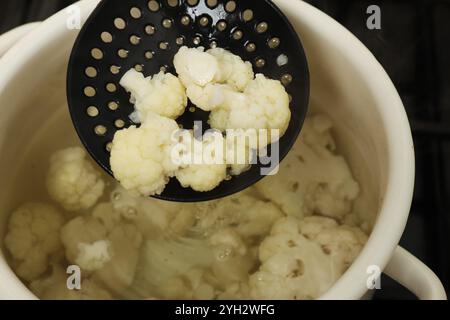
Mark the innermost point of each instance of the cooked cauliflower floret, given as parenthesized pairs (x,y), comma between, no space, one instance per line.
(206,167)
(232,69)
(343,243)
(312,179)
(263,105)
(93,256)
(210,97)
(199,68)
(195,66)
(33,238)
(141,157)
(54,287)
(124,239)
(221,82)
(73,181)
(297,264)
(162,94)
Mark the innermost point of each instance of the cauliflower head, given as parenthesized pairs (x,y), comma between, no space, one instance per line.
(141,157)
(73,181)
(343,243)
(313,179)
(301,259)
(33,238)
(162,94)
(93,256)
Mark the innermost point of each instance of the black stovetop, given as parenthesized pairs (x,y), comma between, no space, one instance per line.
(413,45)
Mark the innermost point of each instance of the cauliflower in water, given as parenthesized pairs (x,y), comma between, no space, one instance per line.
(54,287)
(173,261)
(297,264)
(113,251)
(162,94)
(154,218)
(73,181)
(93,256)
(141,157)
(243,213)
(33,238)
(313,179)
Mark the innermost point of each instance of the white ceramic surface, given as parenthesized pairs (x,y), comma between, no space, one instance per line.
(347,83)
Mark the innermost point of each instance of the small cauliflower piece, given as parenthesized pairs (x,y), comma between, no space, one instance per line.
(173,261)
(141,157)
(33,238)
(54,287)
(292,267)
(210,97)
(313,179)
(215,66)
(206,167)
(116,268)
(73,181)
(162,94)
(232,69)
(81,230)
(93,256)
(119,272)
(301,259)
(263,105)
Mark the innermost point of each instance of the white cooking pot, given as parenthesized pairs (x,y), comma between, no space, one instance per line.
(347,83)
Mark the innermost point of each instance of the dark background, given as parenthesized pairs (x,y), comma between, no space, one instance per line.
(414,47)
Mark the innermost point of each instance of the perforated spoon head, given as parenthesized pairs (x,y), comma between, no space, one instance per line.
(146,35)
